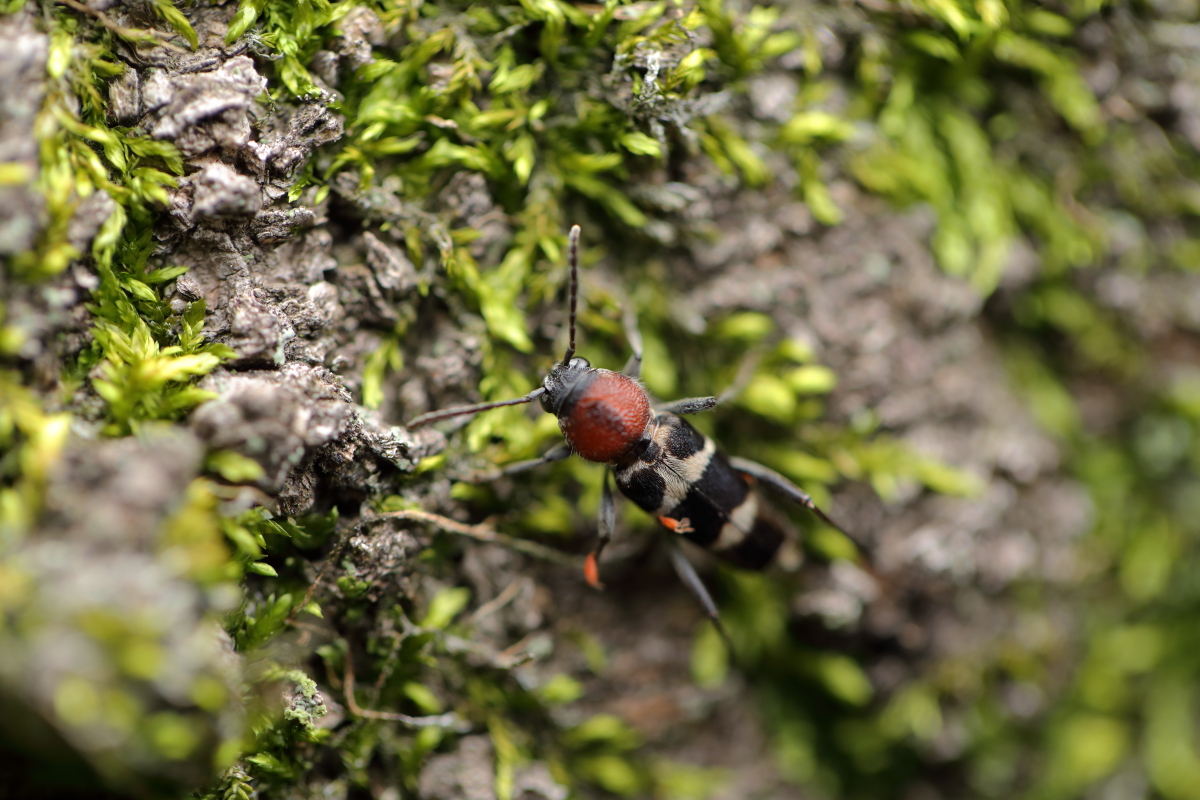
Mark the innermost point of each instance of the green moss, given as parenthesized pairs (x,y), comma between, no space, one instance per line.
(944,93)
(32,440)
(306,707)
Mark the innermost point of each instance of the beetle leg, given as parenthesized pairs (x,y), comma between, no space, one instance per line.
(690,405)
(694,405)
(781,485)
(556,453)
(687,574)
(606,523)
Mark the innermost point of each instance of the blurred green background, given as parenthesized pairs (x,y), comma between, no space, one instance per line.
(959,240)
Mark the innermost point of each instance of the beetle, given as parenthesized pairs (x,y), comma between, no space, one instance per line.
(657,458)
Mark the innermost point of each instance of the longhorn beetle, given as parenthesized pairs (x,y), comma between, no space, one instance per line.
(658,459)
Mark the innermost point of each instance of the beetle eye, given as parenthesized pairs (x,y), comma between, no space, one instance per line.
(579,363)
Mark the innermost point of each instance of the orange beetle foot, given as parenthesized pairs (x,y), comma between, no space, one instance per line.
(591,571)
(676,525)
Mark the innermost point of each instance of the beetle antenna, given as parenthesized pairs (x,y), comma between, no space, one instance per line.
(573,263)
(446,413)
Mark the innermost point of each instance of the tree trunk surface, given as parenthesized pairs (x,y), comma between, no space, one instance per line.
(188,581)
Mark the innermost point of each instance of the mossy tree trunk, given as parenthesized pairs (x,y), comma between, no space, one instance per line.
(946,252)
